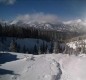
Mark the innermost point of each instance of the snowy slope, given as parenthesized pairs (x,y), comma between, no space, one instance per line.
(45,67)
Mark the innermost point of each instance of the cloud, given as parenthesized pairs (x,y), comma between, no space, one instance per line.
(76,22)
(8,2)
(73,21)
(45,18)
(36,17)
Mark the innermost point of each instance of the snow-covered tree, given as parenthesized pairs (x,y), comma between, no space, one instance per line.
(55,48)
(83,47)
(13,46)
(47,51)
(39,51)
(18,48)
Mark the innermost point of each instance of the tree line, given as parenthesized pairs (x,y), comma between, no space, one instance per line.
(43,48)
(54,36)
(32,32)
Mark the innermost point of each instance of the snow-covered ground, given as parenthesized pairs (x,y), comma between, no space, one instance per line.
(43,67)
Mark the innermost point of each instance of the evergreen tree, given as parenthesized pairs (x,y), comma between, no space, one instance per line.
(46,48)
(39,51)
(0,30)
(43,47)
(18,48)
(55,48)
(27,51)
(35,50)
(83,47)
(37,41)
(51,47)
(24,49)
(13,46)
(47,51)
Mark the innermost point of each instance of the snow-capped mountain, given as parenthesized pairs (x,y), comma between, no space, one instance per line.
(42,25)
(79,25)
(73,25)
(60,26)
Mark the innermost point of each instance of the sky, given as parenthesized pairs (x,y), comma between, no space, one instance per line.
(63,9)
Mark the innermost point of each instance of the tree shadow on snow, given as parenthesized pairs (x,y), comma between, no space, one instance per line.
(4,72)
(7,57)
